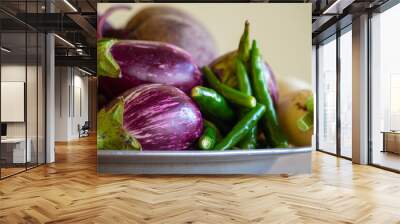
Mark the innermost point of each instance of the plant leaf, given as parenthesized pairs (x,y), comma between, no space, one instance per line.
(106,64)
(111,134)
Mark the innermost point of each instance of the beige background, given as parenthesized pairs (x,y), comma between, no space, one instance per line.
(283,31)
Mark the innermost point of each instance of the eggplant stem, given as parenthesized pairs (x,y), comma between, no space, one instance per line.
(306,122)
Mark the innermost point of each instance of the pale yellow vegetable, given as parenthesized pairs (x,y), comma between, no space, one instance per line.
(291,108)
(288,85)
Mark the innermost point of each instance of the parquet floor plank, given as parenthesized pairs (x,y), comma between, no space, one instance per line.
(71,191)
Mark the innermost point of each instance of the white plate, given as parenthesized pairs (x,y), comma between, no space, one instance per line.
(260,161)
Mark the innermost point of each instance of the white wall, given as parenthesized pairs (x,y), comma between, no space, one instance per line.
(61,103)
(80,100)
(71,94)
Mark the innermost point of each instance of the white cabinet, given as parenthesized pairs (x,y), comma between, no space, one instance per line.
(16,150)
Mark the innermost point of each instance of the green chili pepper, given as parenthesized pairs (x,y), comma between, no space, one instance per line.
(250,140)
(213,126)
(232,95)
(244,44)
(270,121)
(209,137)
(243,78)
(242,128)
(212,104)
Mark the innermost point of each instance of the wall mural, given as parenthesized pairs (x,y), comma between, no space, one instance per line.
(202,79)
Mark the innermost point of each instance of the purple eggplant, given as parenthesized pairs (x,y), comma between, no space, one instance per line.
(174,26)
(104,29)
(152,117)
(163,24)
(123,64)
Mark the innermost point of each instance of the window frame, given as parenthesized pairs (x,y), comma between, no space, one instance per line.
(334,37)
(378,10)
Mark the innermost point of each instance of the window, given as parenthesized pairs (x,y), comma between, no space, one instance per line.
(385,89)
(333,137)
(346,93)
(327,96)
(22,77)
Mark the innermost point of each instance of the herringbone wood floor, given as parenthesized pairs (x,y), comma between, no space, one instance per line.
(70,191)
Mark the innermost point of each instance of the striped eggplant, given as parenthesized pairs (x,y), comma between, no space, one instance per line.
(157,116)
(123,64)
